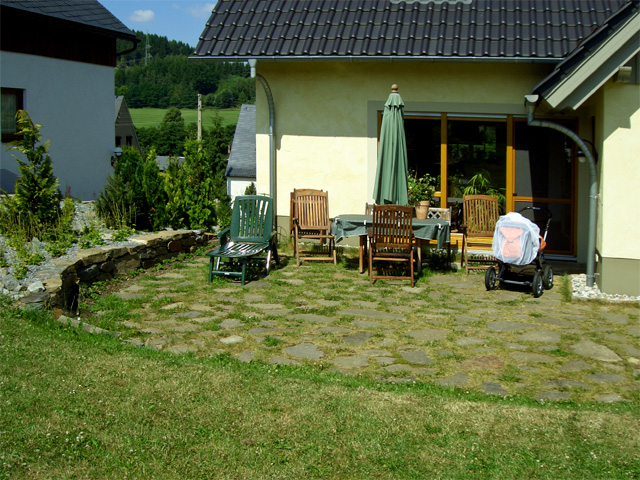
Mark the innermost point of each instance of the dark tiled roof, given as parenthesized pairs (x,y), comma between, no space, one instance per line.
(492,29)
(89,13)
(242,159)
(587,46)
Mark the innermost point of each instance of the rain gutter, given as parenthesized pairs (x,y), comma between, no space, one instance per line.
(272,146)
(370,58)
(531,102)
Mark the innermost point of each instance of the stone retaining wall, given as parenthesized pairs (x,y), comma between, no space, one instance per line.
(61,283)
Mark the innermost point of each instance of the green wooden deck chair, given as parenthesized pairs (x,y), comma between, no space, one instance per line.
(248,241)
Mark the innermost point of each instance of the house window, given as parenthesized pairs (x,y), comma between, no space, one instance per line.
(129,141)
(118,141)
(12,101)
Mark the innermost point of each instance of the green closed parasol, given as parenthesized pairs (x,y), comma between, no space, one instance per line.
(391,175)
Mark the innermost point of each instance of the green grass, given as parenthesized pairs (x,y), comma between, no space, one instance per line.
(152,117)
(75,405)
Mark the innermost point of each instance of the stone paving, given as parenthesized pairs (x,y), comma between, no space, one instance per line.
(448,329)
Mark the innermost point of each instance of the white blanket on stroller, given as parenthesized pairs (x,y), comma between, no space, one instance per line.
(516,239)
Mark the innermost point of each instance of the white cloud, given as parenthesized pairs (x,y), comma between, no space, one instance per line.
(201,10)
(142,16)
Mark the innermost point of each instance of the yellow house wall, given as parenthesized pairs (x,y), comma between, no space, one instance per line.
(326,117)
(620,171)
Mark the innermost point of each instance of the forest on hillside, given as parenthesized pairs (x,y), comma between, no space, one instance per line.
(159,74)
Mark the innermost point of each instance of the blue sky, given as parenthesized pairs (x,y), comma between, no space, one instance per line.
(182,20)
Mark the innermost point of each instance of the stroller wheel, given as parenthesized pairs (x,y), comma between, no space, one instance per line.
(536,285)
(547,277)
(490,278)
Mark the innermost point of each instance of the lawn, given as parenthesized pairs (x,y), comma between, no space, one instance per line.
(75,405)
(152,117)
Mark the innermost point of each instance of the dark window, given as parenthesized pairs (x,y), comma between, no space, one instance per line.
(12,101)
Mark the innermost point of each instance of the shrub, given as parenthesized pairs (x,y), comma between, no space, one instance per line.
(36,202)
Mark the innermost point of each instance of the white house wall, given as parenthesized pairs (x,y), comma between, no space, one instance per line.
(74,103)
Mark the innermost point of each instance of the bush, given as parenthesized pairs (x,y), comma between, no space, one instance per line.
(36,203)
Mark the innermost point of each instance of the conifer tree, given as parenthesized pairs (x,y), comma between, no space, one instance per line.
(36,190)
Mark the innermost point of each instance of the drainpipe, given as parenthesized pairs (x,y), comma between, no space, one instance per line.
(272,147)
(531,102)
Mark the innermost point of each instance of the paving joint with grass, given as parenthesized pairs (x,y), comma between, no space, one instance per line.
(500,343)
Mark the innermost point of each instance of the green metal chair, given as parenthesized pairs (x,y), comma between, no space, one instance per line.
(249,239)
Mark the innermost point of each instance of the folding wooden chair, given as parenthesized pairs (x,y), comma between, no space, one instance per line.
(311,222)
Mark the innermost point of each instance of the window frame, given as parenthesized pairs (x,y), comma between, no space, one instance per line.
(19,93)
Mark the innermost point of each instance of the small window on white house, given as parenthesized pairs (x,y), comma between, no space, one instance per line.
(12,101)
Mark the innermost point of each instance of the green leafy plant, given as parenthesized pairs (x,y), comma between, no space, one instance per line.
(481,184)
(91,237)
(420,188)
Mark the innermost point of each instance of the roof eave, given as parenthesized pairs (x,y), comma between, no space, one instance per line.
(568,91)
(377,58)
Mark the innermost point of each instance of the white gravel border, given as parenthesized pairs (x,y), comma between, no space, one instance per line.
(580,290)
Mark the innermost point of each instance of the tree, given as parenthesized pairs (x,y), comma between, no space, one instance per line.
(172,133)
(36,191)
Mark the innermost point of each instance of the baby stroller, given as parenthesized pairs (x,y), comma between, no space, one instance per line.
(518,247)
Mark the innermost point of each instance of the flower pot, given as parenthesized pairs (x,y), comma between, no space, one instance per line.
(422,208)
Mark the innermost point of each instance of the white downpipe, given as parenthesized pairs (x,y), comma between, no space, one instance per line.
(272,146)
(531,102)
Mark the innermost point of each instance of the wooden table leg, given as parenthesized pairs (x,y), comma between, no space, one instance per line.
(363,248)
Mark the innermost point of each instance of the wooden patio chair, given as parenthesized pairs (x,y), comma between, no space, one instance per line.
(248,241)
(311,222)
(391,239)
(480,217)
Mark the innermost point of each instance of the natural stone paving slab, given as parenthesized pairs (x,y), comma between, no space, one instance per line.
(557,322)
(181,349)
(313,318)
(231,323)
(351,361)
(470,341)
(494,388)
(366,324)
(151,330)
(514,346)
(456,380)
(428,335)
(634,330)
(575,366)
(188,315)
(186,328)
(553,396)
(544,336)
(305,350)
(198,307)
(488,362)
(171,275)
(385,360)
(357,339)
(364,304)
(172,306)
(508,326)
(630,349)
(403,368)
(593,350)
(328,303)
(417,356)
(245,356)
(335,330)
(532,357)
(606,378)
(608,398)
(565,383)
(233,339)
(129,296)
(263,331)
(617,318)
(366,313)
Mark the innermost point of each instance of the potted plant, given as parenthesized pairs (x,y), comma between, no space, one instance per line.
(420,191)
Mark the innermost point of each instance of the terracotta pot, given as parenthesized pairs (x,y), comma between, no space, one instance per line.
(422,208)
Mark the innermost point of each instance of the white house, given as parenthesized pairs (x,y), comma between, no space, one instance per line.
(57,62)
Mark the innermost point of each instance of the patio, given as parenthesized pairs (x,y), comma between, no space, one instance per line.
(447,330)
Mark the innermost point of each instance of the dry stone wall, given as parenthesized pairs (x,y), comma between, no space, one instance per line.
(60,284)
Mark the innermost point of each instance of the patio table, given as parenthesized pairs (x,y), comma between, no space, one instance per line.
(354,225)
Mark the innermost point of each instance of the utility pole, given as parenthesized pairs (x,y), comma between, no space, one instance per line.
(199,116)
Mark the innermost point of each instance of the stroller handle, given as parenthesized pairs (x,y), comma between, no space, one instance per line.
(547,220)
